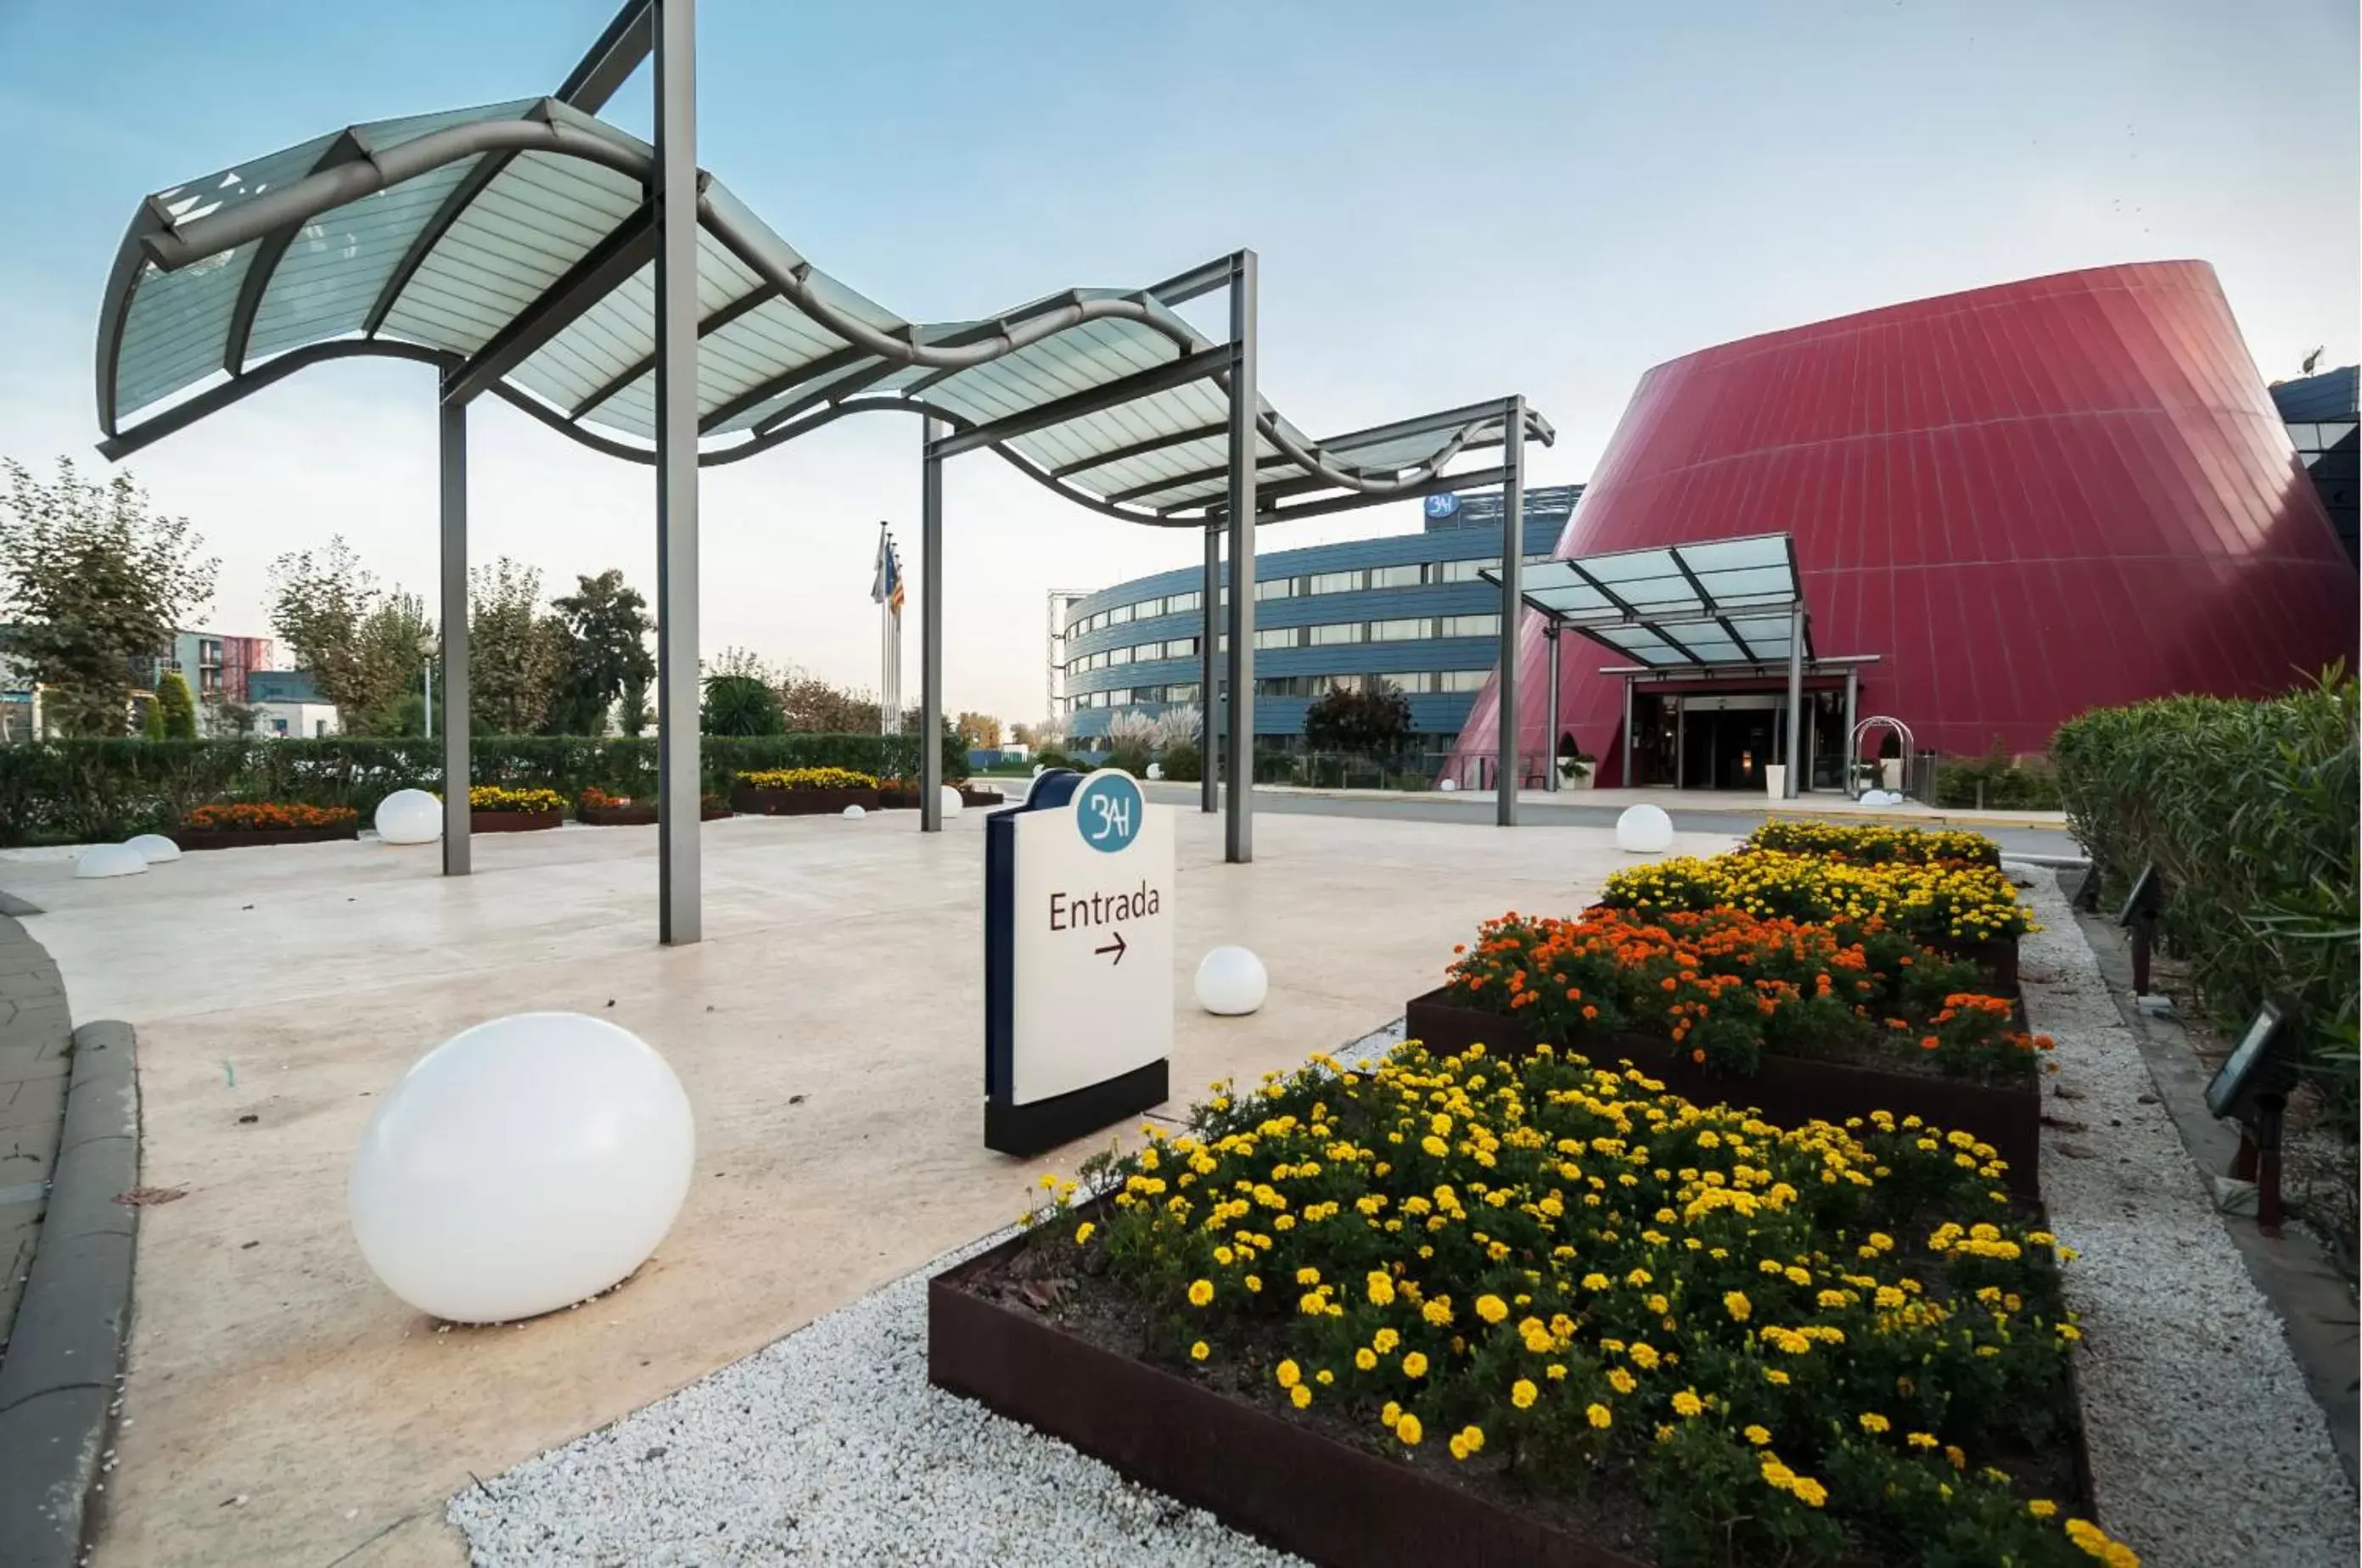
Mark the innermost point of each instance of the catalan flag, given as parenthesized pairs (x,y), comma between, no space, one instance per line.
(886,587)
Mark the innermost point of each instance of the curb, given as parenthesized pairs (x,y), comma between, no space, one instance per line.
(58,1383)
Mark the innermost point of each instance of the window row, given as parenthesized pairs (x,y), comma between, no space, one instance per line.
(1142,652)
(1145,609)
(1332,634)
(1410,682)
(1409,575)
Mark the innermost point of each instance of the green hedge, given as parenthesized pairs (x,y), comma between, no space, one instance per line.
(2247,809)
(83,791)
(1995,782)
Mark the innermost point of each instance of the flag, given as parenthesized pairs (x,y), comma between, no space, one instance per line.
(886,585)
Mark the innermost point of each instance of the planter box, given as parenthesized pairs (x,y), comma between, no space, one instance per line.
(898,799)
(800,802)
(1280,1481)
(984,798)
(636,816)
(249,837)
(1788,1090)
(1997,958)
(511,821)
(1275,1479)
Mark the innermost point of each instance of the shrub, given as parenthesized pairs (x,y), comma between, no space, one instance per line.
(1872,844)
(1996,780)
(178,708)
(1183,763)
(808,778)
(742,705)
(2247,809)
(1372,721)
(1819,1347)
(492,798)
(1941,905)
(1052,757)
(1131,759)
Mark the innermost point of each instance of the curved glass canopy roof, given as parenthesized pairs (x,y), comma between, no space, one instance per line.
(512,246)
(1722,602)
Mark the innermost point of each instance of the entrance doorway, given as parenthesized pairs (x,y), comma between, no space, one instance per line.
(1724,740)
(1727,741)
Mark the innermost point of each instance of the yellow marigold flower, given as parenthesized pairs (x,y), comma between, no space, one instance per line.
(1308,1276)
(1622,1381)
(1557,1373)
(1756,1435)
(1288,1374)
(1300,1395)
(1381,1288)
(1473,1437)
(1415,1364)
(1687,1403)
(1735,1304)
(1644,1357)
(1807,1491)
(2042,1508)
(1085,1231)
(1458,1445)
(1435,1145)
(1324,1377)
(1254,1282)
(1799,1276)
(1390,1415)
(1385,1340)
(1523,1394)
(1407,1428)
(1365,1359)
(1595,1281)
(1438,1311)
(1201,1293)
(1492,1309)
(1774,1375)
(1921,1440)
(1198,1351)
(1872,1422)
(1599,1416)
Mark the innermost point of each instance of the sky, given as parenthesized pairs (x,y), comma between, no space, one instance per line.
(1450,202)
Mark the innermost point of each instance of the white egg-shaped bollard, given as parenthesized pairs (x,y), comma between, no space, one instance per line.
(111,859)
(154,848)
(853,813)
(409,817)
(1448,786)
(1155,770)
(1644,830)
(521,1166)
(954,802)
(1231,982)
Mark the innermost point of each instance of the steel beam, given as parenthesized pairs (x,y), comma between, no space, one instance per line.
(1513,604)
(624,42)
(1180,372)
(604,268)
(1140,449)
(1209,643)
(674,197)
(452,428)
(714,321)
(1550,769)
(930,629)
(1789,784)
(1238,828)
(1626,780)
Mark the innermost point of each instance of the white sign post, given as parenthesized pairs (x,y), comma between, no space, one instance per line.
(1078,959)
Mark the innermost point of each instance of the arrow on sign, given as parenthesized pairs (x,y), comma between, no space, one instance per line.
(1116,946)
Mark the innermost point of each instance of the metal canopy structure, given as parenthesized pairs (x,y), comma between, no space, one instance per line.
(530,251)
(1720,606)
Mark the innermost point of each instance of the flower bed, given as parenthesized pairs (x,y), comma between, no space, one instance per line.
(1874,843)
(230,825)
(597,808)
(804,792)
(492,809)
(1557,1289)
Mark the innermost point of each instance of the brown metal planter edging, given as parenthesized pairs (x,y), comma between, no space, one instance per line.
(1272,1478)
(512,822)
(800,802)
(251,838)
(1997,956)
(637,816)
(986,798)
(1786,1090)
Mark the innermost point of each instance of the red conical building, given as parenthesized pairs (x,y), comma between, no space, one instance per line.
(2023,501)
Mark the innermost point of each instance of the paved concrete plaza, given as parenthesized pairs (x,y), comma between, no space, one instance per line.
(282,1408)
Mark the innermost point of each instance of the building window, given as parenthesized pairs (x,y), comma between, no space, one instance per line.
(1341,631)
(1410,682)
(1181,603)
(1277,637)
(1276,589)
(1181,648)
(1118,655)
(1418,628)
(1409,577)
(1464,571)
(1471,626)
(1461,680)
(1119,615)
(1335,583)
(1181,691)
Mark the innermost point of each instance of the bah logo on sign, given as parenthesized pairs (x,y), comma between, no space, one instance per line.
(1078,959)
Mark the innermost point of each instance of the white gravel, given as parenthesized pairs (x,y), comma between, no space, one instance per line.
(2206,1450)
(830,1447)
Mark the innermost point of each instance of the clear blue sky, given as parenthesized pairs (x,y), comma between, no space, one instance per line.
(1450,202)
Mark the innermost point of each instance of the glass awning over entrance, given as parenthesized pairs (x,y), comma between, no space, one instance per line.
(513,245)
(1723,603)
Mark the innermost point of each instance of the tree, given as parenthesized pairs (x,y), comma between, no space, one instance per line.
(227,719)
(813,706)
(151,720)
(177,707)
(363,646)
(92,579)
(606,626)
(981,731)
(515,653)
(741,704)
(632,715)
(1374,722)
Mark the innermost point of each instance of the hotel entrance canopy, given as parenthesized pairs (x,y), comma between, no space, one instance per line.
(620,294)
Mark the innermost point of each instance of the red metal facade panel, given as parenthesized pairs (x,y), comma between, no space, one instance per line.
(2026,500)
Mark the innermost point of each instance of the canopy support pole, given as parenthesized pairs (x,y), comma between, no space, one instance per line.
(1550,747)
(1209,642)
(1513,601)
(930,629)
(452,426)
(1238,837)
(681,786)
(1789,788)
(1853,742)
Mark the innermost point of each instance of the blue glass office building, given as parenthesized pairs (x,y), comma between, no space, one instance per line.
(1408,608)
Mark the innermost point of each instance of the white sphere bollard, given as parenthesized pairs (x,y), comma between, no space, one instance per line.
(953,802)
(1644,830)
(1448,785)
(1230,982)
(520,1166)
(1041,768)
(409,816)
(852,813)
(111,859)
(1155,770)
(154,848)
